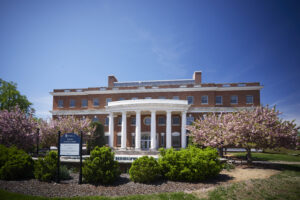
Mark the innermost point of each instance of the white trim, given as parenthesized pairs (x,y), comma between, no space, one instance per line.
(157,90)
(217,109)
(106,134)
(119,134)
(175,134)
(80,112)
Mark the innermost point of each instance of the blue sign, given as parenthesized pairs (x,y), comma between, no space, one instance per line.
(70,145)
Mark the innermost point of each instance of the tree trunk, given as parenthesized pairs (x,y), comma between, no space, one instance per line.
(248,156)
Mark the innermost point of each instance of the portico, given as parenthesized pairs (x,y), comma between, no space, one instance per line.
(152,107)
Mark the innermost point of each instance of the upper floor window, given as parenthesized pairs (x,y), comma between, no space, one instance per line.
(119,121)
(219,100)
(176,97)
(121,99)
(60,103)
(72,103)
(108,100)
(161,97)
(190,99)
(134,98)
(175,120)
(234,99)
(204,99)
(95,119)
(161,120)
(148,97)
(84,103)
(189,120)
(147,120)
(95,102)
(249,99)
(106,121)
(133,121)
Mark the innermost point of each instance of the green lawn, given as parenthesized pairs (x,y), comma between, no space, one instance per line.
(285,185)
(269,157)
(4,195)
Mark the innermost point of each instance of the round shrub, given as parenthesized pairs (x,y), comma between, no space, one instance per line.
(16,164)
(100,167)
(46,169)
(145,170)
(190,164)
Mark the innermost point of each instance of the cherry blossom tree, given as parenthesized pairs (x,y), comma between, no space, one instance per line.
(17,129)
(65,124)
(259,127)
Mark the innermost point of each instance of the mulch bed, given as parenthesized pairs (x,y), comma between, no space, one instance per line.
(123,186)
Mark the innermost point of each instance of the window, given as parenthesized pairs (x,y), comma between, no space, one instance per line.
(189,120)
(190,100)
(119,121)
(106,121)
(175,120)
(147,121)
(133,140)
(148,97)
(121,99)
(219,100)
(119,139)
(108,100)
(106,139)
(162,139)
(161,97)
(175,139)
(161,120)
(234,99)
(60,103)
(249,99)
(95,101)
(84,103)
(95,119)
(134,98)
(133,121)
(176,97)
(204,99)
(72,103)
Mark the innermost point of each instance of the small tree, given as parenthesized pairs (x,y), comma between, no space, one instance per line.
(259,127)
(17,129)
(48,130)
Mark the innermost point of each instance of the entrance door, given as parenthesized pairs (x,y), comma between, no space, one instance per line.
(145,142)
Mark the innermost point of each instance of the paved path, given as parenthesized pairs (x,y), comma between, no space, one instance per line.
(265,162)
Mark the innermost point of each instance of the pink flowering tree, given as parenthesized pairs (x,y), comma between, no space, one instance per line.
(258,128)
(17,129)
(65,124)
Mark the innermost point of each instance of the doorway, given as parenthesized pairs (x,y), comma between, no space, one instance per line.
(145,142)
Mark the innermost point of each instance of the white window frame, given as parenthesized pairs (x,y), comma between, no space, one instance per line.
(206,99)
(176,98)
(84,106)
(60,105)
(173,120)
(108,100)
(237,99)
(146,119)
(94,100)
(192,100)
(251,98)
(164,120)
(221,100)
(74,101)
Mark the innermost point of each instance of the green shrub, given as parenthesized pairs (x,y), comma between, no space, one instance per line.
(101,167)
(145,170)
(15,164)
(46,169)
(97,138)
(190,164)
(228,166)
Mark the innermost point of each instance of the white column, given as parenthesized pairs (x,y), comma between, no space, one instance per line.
(111,129)
(124,131)
(138,130)
(168,137)
(153,130)
(183,129)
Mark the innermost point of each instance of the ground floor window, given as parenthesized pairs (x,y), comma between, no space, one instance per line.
(176,139)
(133,140)
(118,140)
(162,140)
(106,139)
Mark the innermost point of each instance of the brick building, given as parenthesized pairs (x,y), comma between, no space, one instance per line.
(153,114)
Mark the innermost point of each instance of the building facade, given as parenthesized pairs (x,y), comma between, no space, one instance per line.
(147,115)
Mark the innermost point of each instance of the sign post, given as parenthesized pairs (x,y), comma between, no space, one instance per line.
(80,165)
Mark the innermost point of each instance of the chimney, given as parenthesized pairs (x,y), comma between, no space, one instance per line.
(197,77)
(111,80)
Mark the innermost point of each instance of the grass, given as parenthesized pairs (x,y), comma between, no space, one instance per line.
(4,195)
(269,157)
(285,185)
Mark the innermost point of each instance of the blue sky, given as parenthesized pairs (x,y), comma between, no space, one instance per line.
(76,44)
